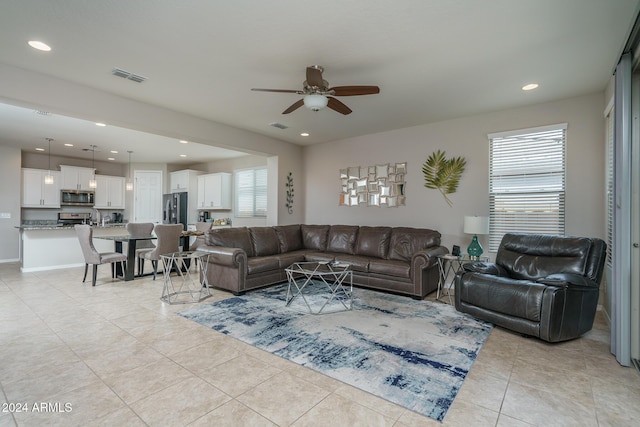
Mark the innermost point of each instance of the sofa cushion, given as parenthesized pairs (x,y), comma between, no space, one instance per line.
(319,257)
(342,238)
(237,237)
(373,241)
(265,241)
(357,262)
(314,236)
(390,267)
(286,259)
(406,241)
(259,264)
(289,237)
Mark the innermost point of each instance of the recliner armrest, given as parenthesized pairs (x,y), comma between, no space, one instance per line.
(485,268)
(567,280)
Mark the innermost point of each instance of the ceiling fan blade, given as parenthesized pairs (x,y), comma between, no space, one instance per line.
(338,106)
(294,106)
(354,90)
(314,76)
(299,92)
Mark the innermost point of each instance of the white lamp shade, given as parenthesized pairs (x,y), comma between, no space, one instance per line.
(476,225)
(315,102)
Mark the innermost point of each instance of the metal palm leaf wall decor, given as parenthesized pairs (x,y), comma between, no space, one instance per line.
(289,186)
(443,174)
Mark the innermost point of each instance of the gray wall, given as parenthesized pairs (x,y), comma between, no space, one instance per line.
(10,203)
(467,136)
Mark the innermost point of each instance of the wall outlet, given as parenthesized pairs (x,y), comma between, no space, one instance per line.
(5,215)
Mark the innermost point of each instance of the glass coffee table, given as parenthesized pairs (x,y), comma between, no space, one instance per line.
(320,287)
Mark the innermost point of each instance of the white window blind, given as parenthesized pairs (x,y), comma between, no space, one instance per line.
(527,182)
(610,183)
(251,193)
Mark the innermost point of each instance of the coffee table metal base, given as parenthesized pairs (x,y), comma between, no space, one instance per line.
(335,279)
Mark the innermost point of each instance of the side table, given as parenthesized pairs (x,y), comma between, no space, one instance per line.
(451,264)
(194,290)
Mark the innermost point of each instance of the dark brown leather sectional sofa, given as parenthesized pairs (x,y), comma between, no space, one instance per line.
(401,260)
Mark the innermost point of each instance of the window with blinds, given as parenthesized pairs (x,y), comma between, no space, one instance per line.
(251,193)
(527,182)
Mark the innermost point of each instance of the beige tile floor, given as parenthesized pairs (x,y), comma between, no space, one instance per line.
(116,355)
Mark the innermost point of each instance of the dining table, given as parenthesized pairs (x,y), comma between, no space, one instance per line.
(131,241)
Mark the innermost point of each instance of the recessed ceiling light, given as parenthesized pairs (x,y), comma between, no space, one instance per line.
(68,145)
(183,155)
(39,149)
(182,141)
(304,134)
(39,45)
(530,86)
(110,158)
(100,124)
(114,151)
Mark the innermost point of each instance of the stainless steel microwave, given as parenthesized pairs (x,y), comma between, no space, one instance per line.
(77,198)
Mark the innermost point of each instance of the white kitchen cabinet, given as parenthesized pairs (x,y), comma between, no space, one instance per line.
(184,180)
(37,194)
(76,178)
(214,191)
(109,192)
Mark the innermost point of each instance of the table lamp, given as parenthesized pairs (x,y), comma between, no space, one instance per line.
(475,225)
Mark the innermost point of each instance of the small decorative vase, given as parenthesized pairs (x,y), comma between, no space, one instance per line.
(475,249)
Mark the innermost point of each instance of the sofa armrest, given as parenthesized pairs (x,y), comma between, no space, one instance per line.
(429,255)
(485,268)
(568,280)
(231,257)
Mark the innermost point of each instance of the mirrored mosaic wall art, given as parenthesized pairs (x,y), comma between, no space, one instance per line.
(379,185)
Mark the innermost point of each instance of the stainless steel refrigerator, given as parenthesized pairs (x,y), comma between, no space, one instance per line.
(174,209)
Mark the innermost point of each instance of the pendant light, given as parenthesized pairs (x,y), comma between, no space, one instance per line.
(92,181)
(48,178)
(129,184)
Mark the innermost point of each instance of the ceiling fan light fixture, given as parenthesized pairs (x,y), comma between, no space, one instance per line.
(315,102)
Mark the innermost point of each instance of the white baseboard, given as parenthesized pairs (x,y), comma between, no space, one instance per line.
(53,267)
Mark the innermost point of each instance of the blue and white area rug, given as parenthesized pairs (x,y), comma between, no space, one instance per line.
(413,353)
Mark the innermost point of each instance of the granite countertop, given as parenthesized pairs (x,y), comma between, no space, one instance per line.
(55,226)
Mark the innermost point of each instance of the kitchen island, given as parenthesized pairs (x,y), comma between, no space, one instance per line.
(51,247)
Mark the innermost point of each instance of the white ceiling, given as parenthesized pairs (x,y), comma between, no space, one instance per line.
(433,60)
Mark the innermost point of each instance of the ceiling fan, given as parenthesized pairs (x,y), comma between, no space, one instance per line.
(318,94)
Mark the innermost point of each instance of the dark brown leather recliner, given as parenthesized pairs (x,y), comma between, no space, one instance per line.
(540,285)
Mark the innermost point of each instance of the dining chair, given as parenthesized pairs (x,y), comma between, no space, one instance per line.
(141,229)
(168,241)
(93,257)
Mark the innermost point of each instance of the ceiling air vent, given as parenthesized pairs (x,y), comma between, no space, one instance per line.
(278,125)
(127,75)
